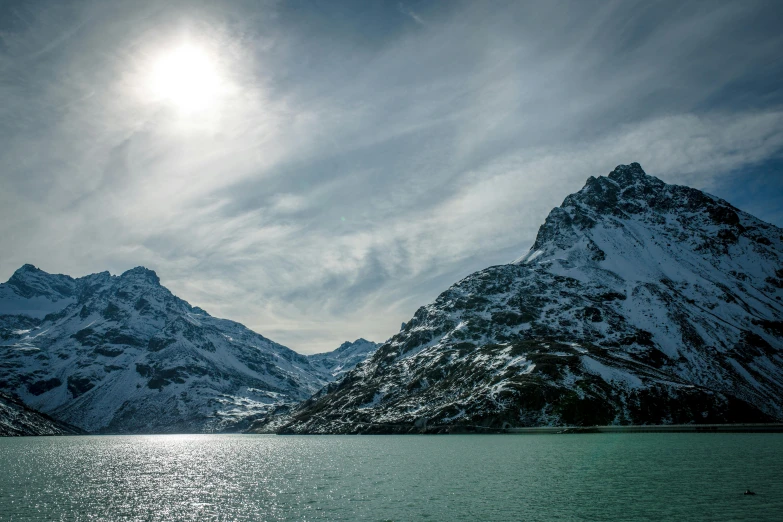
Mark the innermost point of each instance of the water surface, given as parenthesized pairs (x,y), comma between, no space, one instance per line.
(456,477)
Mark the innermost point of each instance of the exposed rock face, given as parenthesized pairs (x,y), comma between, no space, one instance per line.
(639,302)
(122,354)
(16,419)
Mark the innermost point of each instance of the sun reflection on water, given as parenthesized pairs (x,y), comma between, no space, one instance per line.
(241,477)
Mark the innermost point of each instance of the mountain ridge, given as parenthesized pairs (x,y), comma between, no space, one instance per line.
(122,354)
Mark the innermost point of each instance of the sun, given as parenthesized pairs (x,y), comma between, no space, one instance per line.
(186,77)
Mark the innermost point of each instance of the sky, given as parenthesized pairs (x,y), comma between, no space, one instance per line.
(318,170)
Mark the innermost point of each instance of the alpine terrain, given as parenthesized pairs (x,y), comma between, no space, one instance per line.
(122,354)
(639,303)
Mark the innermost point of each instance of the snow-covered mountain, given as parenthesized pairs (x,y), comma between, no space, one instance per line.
(32,293)
(639,302)
(343,359)
(17,419)
(122,354)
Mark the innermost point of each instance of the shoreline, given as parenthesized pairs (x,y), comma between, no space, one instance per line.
(388,429)
(776,427)
(656,428)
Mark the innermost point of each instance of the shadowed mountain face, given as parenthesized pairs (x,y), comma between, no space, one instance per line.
(16,420)
(122,354)
(639,302)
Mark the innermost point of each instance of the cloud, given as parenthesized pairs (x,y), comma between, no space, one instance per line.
(412,14)
(356,164)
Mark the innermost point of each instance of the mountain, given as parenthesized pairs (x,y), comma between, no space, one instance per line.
(122,354)
(639,303)
(16,419)
(340,361)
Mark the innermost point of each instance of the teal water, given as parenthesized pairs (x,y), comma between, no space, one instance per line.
(645,476)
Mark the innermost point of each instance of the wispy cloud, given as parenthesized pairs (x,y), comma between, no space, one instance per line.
(411,13)
(356,165)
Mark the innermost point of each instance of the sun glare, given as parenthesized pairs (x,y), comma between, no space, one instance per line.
(185,77)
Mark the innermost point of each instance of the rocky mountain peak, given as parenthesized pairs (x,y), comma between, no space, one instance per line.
(633,174)
(347,345)
(141,273)
(601,197)
(27,272)
(627,189)
(696,221)
(30,281)
(27,267)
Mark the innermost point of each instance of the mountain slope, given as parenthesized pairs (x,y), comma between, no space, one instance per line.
(16,419)
(122,354)
(639,302)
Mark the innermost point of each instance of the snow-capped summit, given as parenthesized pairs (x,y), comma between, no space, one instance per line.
(639,302)
(680,217)
(122,354)
(32,293)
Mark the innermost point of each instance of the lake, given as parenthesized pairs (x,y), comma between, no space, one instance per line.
(651,476)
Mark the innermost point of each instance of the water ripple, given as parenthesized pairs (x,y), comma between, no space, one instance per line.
(515,477)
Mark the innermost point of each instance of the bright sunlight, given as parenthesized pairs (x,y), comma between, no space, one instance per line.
(186,77)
